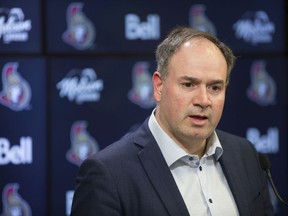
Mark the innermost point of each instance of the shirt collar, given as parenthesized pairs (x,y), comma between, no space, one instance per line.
(172,151)
(214,147)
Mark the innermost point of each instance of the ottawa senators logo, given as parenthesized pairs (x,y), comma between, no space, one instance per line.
(263,88)
(16,93)
(142,90)
(13,203)
(80,33)
(82,143)
(199,20)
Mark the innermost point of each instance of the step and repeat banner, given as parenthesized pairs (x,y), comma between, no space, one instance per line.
(76,76)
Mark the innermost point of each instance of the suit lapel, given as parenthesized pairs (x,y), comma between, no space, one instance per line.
(235,184)
(234,173)
(159,173)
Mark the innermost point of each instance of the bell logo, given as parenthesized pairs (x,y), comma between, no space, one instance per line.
(16,154)
(135,29)
(266,143)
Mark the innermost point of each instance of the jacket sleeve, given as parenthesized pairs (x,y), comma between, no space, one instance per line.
(95,192)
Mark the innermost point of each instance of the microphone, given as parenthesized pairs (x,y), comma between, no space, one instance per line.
(265,165)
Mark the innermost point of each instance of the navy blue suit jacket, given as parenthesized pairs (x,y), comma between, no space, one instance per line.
(131,178)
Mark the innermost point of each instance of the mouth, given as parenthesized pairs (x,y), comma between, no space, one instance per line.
(199,119)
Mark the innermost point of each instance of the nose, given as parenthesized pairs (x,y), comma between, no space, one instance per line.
(201,97)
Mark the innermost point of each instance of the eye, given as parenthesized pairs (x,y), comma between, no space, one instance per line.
(215,88)
(187,84)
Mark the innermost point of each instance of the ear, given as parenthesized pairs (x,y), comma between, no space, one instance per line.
(157,85)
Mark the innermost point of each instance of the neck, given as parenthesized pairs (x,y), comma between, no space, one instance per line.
(196,149)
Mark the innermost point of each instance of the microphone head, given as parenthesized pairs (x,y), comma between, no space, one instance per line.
(264,161)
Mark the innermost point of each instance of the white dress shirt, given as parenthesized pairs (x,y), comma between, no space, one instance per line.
(201,183)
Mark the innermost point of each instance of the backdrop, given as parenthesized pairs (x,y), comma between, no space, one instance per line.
(76,76)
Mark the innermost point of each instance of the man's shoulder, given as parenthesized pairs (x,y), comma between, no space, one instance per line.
(117,148)
(127,145)
(232,141)
(237,148)
(224,135)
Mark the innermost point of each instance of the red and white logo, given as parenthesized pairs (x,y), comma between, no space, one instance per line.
(16,93)
(263,88)
(13,203)
(82,143)
(199,20)
(80,31)
(142,90)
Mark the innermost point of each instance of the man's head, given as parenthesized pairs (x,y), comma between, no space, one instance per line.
(180,35)
(190,86)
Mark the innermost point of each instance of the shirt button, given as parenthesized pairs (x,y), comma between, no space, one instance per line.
(210,200)
(200,168)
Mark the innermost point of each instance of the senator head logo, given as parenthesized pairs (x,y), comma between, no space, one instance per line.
(16,93)
(263,88)
(13,203)
(82,143)
(142,90)
(80,31)
(199,20)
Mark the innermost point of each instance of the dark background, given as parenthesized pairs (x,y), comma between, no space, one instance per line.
(45,59)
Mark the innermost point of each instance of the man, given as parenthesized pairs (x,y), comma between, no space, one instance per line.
(177,163)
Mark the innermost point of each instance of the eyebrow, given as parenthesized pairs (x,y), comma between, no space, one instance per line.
(196,80)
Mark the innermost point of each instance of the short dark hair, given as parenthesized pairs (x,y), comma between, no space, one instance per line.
(179,36)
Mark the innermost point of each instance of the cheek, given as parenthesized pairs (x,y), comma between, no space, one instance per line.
(172,95)
(219,105)
(177,103)
(174,99)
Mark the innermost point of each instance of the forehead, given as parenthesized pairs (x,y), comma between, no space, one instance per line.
(200,43)
(200,56)
(198,49)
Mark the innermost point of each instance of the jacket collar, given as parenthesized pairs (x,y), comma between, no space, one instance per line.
(158,171)
(232,169)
